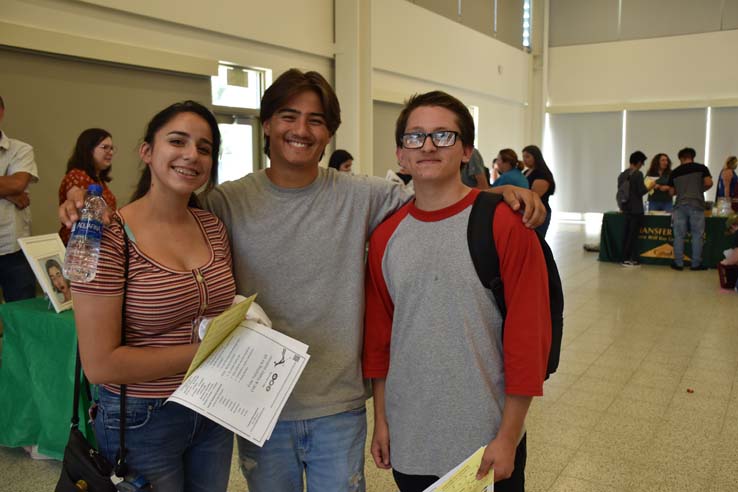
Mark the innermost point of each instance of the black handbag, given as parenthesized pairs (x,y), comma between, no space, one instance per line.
(82,462)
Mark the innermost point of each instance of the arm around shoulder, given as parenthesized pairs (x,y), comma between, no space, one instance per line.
(534,212)
(386,197)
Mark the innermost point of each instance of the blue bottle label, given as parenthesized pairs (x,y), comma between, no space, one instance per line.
(90,229)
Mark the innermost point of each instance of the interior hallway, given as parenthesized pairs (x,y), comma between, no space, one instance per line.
(617,415)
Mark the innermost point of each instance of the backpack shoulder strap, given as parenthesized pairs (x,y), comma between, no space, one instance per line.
(482,245)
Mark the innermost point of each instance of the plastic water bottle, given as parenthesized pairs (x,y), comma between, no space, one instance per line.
(83,250)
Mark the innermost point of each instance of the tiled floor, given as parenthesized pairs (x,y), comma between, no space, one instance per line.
(618,415)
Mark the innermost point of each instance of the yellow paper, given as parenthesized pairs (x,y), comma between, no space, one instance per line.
(218,330)
(465,477)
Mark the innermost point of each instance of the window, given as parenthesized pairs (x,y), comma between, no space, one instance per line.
(237,87)
(236,98)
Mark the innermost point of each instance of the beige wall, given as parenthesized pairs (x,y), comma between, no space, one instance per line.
(385,116)
(203,32)
(51,100)
(300,25)
(697,70)
(409,56)
(480,16)
(416,43)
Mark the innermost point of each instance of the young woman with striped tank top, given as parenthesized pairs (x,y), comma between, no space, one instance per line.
(179,271)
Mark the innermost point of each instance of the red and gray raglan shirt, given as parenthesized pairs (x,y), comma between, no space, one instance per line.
(434,332)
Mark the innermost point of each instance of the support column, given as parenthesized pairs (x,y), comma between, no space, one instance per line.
(538,74)
(353,74)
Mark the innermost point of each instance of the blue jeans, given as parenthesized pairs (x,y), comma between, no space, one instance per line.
(330,450)
(660,206)
(693,218)
(176,449)
(16,277)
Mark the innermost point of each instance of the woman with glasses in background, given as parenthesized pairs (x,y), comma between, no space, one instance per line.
(90,163)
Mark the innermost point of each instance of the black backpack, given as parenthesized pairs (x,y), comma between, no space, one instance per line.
(487,264)
(623,194)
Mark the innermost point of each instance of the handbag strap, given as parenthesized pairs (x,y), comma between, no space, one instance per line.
(75,400)
(120,462)
(79,376)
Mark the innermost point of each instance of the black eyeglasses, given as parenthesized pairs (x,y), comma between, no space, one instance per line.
(415,140)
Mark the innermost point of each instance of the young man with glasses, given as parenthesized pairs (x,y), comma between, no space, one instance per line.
(444,381)
(298,233)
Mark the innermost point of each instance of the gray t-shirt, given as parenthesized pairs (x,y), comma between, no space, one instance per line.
(471,169)
(688,182)
(302,250)
(440,408)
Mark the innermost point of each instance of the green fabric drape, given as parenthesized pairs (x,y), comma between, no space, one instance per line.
(36,377)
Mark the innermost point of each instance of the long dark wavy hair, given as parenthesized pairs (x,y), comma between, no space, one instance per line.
(653,169)
(162,118)
(82,158)
(540,163)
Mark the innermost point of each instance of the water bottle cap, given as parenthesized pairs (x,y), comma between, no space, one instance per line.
(94,189)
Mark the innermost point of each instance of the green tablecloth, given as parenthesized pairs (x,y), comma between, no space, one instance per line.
(37,377)
(656,240)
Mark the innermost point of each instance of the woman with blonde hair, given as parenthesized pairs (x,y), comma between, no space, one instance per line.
(727,185)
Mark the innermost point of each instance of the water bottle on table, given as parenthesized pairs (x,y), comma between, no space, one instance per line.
(83,249)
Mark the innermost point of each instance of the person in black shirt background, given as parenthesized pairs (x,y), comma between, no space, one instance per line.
(540,180)
(633,208)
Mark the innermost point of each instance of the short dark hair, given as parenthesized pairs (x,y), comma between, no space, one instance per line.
(2,103)
(339,157)
(637,157)
(443,100)
(162,118)
(81,157)
(687,152)
(293,82)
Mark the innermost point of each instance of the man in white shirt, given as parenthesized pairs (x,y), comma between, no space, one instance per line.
(17,171)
